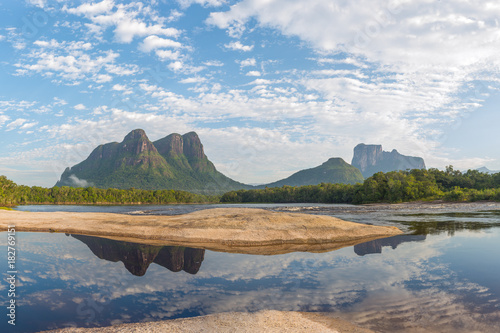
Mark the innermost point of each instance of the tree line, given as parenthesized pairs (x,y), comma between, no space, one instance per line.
(12,194)
(392,187)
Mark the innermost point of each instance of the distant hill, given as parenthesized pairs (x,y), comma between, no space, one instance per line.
(175,162)
(335,170)
(371,159)
(486,170)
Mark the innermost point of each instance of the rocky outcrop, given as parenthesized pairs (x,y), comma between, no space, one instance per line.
(370,159)
(171,145)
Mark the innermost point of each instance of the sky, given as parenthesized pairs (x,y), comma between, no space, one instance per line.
(270,86)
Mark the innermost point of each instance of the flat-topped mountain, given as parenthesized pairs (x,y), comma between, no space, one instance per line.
(175,162)
(371,159)
(335,170)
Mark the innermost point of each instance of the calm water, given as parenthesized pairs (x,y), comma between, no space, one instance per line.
(442,275)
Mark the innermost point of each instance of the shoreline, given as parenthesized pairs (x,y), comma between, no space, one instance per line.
(240,230)
(409,203)
(271,321)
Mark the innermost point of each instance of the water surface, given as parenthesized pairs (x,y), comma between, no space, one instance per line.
(442,276)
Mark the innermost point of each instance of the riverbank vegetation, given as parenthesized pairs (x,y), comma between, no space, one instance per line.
(392,187)
(12,194)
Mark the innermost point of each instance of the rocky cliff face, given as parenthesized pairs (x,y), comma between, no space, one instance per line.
(185,151)
(371,159)
(175,162)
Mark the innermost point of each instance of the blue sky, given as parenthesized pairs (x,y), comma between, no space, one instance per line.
(271,87)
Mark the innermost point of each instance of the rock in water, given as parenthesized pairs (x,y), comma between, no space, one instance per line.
(371,159)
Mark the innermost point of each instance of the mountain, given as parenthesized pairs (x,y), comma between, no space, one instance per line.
(335,170)
(176,162)
(370,159)
(486,170)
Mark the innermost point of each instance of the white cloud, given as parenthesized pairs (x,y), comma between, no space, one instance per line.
(2,37)
(123,88)
(92,9)
(122,69)
(79,182)
(72,62)
(3,119)
(253,73)
(237,46)
(73,67)
(80,107)
(176,66)
(59,101)
(15,124)
(119,87)
(28,125)
(148,88)
(193,80)
(73,45)
(154,42)
(100,110)
(103,78)
(205,3)
(38,3)
(125,32)
(215,63)
(167,54)
(130,20)
(248,62)
(417,62)
(408,35)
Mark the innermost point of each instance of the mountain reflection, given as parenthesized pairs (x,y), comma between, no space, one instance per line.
(375,246)
(138,257)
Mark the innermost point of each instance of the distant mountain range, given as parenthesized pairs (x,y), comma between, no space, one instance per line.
(178,162)
(371,159)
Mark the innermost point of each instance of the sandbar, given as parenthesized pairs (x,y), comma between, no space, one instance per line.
(269,321)
(239,230)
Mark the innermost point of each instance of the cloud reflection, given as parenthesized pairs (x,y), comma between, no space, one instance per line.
(401,288)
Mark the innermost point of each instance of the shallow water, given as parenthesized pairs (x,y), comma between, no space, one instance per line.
(441,276)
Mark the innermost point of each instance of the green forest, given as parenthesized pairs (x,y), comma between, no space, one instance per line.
(12,194)
(391,187)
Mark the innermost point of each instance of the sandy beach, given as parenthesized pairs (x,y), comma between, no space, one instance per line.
(241,230)
(269,321)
